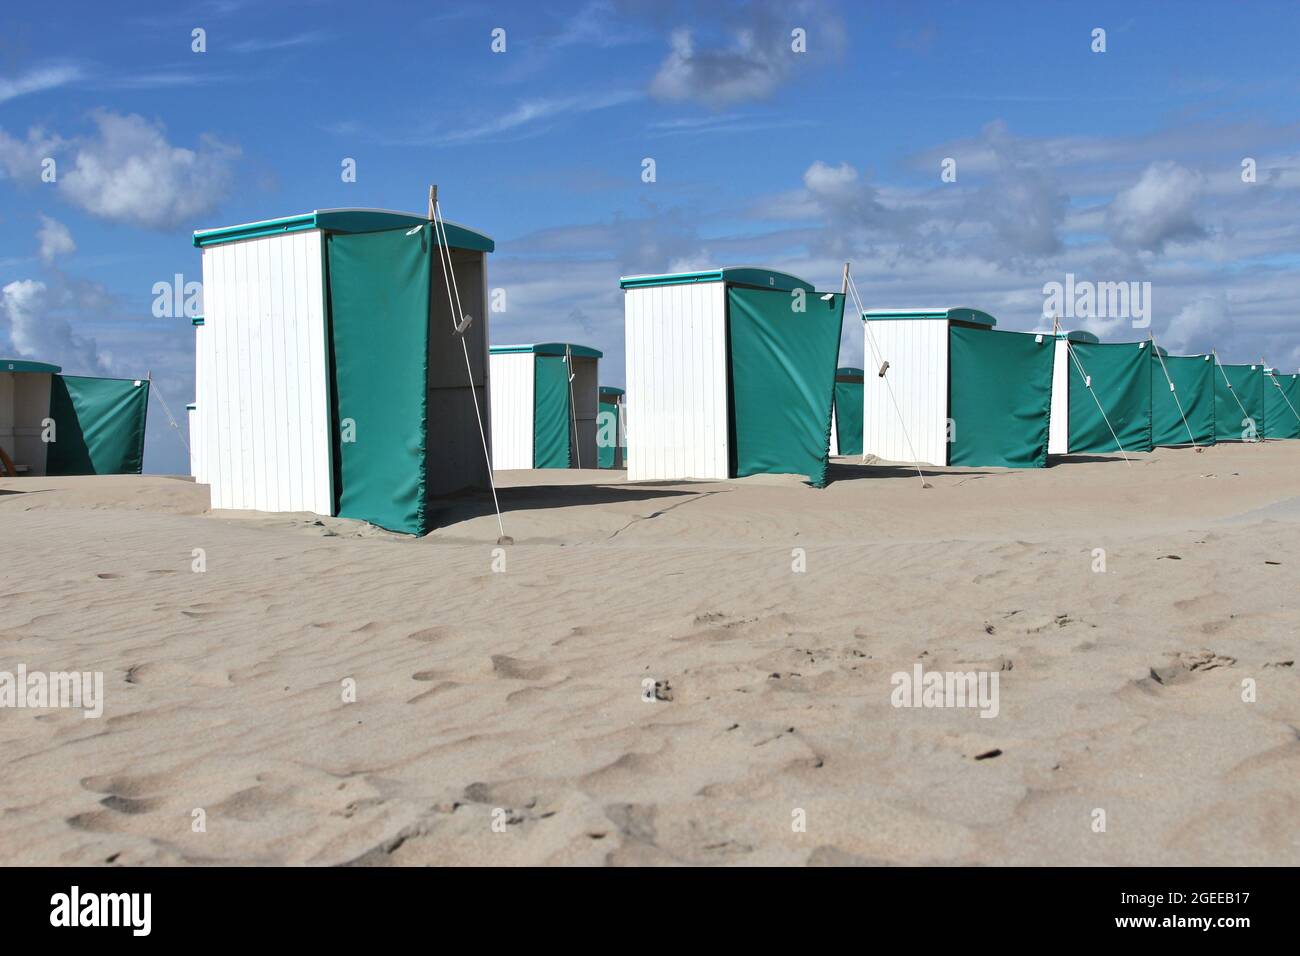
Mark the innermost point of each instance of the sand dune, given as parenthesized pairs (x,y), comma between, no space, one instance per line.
(518,696)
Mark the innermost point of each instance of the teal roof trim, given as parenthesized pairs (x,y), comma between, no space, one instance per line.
(849,371)
(22,365)
(342,221)
(610,390)
(755,276)
(955,314)
(1075,335)
(549,348)
(196,320)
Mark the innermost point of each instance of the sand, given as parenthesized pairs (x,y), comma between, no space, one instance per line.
(500,715)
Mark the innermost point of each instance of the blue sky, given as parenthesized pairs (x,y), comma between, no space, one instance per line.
(1122,166)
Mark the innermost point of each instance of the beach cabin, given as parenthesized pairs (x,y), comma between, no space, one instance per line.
(1114,375)
(330,377)
(55,424)
(1182,387)
(611,434)
(1239,413)
(544,406)
(846,424)
(942,387)
(733,374)
(1281,404)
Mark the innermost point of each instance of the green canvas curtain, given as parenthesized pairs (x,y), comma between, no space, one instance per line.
(607,428)
(552,418)
(1280,419)
(1193,379)
(782,381)
(848,414)
(1248,387)
(999,397)
(379,286)
(1121,381)
(98,425)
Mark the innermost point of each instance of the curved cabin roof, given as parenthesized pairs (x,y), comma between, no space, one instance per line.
(549,348)
(1074,335)
(848,373)
(755,276)
(610,390)
(342,221)
(950,314)
(23,365)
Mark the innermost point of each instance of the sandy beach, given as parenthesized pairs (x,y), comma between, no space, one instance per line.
(500,712)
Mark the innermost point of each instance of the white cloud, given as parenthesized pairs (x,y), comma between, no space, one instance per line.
(756,58)
(268,44)
(38,80)
(1023,205)
(537,111)
(1159,208)
(21,159)
(28,310)
(744,71)
(55,239)
(130,173)
(1201,325)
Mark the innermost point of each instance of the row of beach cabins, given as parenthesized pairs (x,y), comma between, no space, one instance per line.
(343,367)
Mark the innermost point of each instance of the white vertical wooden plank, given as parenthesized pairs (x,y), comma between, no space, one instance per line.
(676,376)
(917,353)
(318,482)
(264,383)
(512,380)
(1058,429)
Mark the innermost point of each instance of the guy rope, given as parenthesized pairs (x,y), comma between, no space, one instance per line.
(460,324)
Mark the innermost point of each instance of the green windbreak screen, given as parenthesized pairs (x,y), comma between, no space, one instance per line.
(379,328)
(98,426)
(1280,419)
(551,427)
(1193,378)
(1230,418)
(607,434)
(999,397)
(848,417)
(782,381)
(1121,381)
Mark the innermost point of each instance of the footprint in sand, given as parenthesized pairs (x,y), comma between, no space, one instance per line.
(1184,664)
(129,806)
(513,668)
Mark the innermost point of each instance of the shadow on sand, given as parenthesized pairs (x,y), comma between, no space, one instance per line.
(455,508)
(1053,460)
(842,471)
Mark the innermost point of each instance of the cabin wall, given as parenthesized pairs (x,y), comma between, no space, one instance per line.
(676,350)
(512,381)
(455,446)
(264,412)
(202,376)
(917,352)
(24,405)
(586,405)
